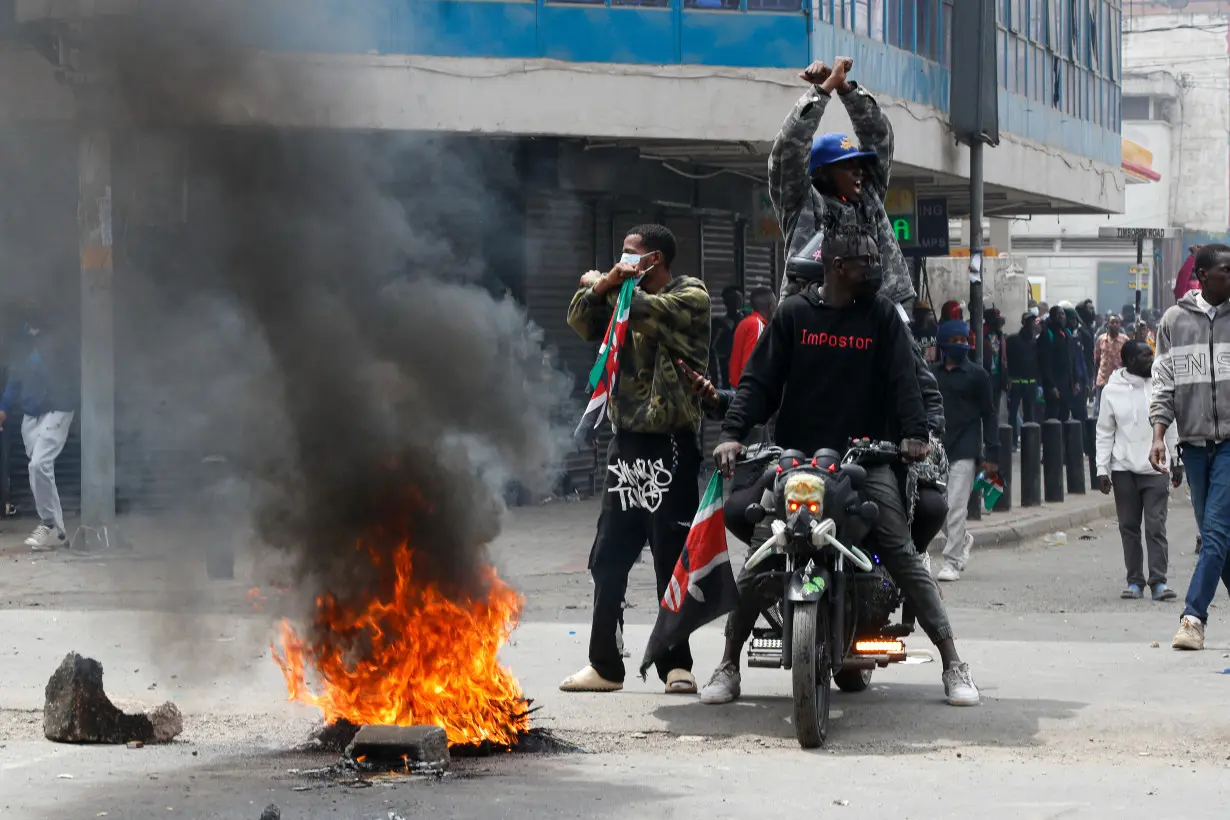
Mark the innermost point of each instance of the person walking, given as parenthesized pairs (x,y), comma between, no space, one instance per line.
(1124,437)
(43,386)
(652,487)
(1190,394)
(966,389)
(1022,348)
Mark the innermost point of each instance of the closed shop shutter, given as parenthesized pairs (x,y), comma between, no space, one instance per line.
(688,242)
(718,264)
(560,240)
(759,266)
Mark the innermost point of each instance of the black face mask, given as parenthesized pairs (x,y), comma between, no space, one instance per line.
(867,289)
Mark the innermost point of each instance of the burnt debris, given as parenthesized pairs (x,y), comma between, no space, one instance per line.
(77,710)
(393,748)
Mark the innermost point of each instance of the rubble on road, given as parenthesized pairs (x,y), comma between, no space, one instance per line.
(77,710)
(271,812)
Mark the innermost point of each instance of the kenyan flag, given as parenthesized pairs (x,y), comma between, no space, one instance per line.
(602,375)
(703,585)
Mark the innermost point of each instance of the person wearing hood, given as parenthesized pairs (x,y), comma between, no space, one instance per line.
(1191,393)
(835,364)
(1123,440)
(972,438)
(820,184)
(1087,321)
(1056,368)
(1023,389)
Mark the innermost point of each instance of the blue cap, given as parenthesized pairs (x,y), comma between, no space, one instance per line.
(829,148)
(953,333)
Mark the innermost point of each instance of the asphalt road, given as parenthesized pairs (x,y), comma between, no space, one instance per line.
(1082,716)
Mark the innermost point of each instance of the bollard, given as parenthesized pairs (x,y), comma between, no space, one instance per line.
(1052,461)
(1091,426)
(1031,465)
(1074,455)
(1004,502)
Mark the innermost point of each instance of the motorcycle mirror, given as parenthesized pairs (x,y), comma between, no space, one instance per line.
(856,474)
(754,513)
(869,511)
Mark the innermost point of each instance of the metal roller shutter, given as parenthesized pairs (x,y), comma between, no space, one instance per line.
(759,266)
(688,242)
(560,240)
(720,271)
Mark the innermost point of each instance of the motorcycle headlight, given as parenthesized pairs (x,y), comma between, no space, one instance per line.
(804,491)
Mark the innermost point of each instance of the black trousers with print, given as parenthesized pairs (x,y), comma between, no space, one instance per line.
(650,495)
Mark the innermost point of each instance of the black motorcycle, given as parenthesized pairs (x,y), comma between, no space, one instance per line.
(827,601)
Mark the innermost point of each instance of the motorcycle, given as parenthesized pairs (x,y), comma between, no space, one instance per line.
(828,604)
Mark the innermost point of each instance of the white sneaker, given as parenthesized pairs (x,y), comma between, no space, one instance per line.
(1190,634)
(959,686)
(948,573)
(723,687)
(44,538)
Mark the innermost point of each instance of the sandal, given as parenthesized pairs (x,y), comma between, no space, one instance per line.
(680,682)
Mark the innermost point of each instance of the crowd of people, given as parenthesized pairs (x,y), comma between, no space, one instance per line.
(840,327)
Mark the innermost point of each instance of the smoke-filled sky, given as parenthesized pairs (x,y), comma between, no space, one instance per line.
(338,344)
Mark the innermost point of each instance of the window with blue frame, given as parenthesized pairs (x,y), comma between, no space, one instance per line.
(918,26)
(1064,54)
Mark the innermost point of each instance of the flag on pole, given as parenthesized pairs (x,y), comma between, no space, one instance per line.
(602,376)
(703,585)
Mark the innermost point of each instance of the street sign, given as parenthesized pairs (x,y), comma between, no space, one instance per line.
(929,232)
(1137,233)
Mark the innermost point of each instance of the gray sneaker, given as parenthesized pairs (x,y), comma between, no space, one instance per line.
(723,687)
(959,686)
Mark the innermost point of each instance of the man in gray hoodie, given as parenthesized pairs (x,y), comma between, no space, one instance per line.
(1191,390)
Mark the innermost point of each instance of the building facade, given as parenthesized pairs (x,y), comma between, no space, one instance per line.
(616,112)
(1176,106)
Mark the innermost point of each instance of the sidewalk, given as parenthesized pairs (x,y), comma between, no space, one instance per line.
(1007,529)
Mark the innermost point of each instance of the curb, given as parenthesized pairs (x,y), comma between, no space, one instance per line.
(1040,523)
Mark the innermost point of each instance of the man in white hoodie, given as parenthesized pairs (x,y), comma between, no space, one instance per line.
(1123,440)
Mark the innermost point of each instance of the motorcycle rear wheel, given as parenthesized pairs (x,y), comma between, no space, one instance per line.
(811,673)
(853,680)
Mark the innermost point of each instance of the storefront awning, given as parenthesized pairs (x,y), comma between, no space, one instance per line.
(1138,163)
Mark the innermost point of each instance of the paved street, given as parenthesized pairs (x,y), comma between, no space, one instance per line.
(1082,716)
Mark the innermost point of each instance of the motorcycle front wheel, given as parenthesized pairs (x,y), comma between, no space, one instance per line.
(811,673)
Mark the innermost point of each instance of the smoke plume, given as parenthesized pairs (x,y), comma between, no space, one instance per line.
(322,318)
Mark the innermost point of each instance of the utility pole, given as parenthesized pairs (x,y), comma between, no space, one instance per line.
(974,119)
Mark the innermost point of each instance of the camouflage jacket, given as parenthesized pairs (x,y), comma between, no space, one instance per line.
(802,210)
(651,394)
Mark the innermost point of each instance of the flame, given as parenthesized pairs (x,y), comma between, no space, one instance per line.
(426,659)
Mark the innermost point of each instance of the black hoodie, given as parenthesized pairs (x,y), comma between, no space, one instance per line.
(831,374)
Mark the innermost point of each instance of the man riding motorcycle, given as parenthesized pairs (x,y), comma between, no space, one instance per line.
(836,362)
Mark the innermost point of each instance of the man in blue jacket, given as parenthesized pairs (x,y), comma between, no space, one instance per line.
(42,387)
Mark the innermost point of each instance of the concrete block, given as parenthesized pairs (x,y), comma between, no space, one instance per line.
(395,746)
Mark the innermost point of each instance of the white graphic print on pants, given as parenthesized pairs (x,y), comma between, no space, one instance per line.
(641,484)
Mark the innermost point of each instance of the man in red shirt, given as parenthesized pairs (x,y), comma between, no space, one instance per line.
(764,302)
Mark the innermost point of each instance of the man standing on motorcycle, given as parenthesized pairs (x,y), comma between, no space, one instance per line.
(836,363)
(820,184)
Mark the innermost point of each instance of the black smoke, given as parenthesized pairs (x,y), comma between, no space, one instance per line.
(324,317)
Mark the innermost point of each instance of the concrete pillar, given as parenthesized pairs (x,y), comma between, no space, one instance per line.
(97,329)
(1001,236)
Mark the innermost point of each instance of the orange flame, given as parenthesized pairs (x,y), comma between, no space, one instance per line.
(426,660)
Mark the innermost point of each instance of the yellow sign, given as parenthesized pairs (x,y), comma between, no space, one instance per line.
(1035,291)
(1138,274)
(963,253)
(899,200)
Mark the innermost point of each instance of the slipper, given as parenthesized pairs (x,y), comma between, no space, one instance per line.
(680,682)
(588,680)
